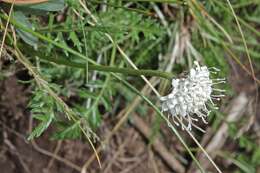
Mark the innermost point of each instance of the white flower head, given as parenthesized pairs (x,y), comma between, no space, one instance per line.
(190,96)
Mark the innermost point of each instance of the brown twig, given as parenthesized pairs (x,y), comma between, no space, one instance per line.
(16,133)
(238,107)
(57,149)
(134,165)
(123,117)
(16,153)
(158,146)
(50,154)
(118,152)
(153,162)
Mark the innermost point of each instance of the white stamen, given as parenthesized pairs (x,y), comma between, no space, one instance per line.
(219,79)
(214,68)
(221,95)
(213,72)
(219,90)
(215,83)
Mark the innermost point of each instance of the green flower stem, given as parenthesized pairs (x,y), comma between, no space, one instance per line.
(128,85)
(95,66)
(103,68)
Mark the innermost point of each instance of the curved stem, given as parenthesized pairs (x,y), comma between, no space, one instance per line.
(95,66)
(103,68)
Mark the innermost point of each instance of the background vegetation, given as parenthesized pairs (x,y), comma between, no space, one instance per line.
(67,70)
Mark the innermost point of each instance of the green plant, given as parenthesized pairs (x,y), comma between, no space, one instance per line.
(80,52)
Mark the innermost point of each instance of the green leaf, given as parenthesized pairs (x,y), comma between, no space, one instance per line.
(73,3)
(26,37)
(243,163)
(60,38)
(94,118)
(69,132)
(106,102)
(84,93)
(46,121)
(256,157)
(74,38)
(51,5)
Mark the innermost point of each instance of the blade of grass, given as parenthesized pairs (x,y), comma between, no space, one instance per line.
(152,105)
(6,28)
(130,86)
(219,3)
(243,38)
(69,112)
(205,13)
(133,89)
(247,52)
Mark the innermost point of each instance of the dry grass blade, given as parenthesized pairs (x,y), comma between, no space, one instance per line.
(124,114)
(233,56)
(158,145)
(237,108)
(205,13)
(42,83)
(201,147)
(247,52)
(6,28)
(243,38)
(50,154)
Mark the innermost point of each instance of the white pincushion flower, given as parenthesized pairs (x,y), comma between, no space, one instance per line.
(190,95)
